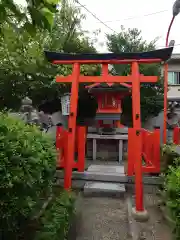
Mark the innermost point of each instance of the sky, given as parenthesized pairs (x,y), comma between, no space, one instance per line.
(131,14)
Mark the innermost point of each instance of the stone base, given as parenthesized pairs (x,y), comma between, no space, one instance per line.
(142,216)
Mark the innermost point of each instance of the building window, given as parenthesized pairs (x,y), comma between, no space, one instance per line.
(173,78)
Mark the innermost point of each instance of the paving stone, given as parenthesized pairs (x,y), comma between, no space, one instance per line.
(104,189)
(106,169)
(103,219)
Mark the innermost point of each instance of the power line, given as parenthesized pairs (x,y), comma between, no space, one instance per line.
(95,16)
(119,20)
(134,17)
(104,23)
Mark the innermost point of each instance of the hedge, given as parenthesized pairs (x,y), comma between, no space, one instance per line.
(168,156)
(27,167)
(56,220)
(171,190)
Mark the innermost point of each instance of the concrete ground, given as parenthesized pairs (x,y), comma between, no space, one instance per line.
(156,228)
(107,218)
(103,219)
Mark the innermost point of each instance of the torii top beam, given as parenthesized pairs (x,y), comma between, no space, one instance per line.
(156,56)
(95,58)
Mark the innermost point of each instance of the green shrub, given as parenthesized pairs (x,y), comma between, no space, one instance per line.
(171,188)
(172,193)
(27,167)
(56,220)
(168,157)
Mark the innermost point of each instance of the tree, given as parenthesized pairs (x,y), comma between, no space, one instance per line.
(33,14)
(23,69)
(151,94)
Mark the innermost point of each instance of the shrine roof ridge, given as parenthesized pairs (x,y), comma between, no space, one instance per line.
(162,54)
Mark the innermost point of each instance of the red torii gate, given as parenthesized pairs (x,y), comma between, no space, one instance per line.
(134,59)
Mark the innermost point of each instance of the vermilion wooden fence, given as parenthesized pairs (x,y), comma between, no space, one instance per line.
(150,151)
(61,146)
(176,136)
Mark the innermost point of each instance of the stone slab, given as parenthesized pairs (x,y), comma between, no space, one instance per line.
(103,219)
(114,136)
(104,189)
(106,169)
(109,177)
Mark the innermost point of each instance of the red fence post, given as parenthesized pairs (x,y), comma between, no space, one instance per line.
(59,131)
(138,172)
(156,150)
(130,164)
(59,144)
(176,135)
(144,141)
(81,147)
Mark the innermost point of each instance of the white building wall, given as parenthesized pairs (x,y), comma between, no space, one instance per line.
(174,90)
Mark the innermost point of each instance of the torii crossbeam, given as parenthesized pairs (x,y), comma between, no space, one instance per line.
(134,59)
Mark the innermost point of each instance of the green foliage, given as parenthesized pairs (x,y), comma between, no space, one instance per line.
(171,190)
(29,16)
(56,220)
(23,69)
(168,157)
(151,94)
(27,167)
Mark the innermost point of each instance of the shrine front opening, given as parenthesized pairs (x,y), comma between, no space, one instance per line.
(141,142)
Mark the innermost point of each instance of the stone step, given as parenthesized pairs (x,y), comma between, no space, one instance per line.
(116,169)
(104,189)
(108,177)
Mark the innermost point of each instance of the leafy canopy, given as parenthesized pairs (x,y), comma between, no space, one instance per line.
(39,13)
(23,69)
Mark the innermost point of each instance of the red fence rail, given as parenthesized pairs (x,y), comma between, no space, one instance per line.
(61,146)
(150,151)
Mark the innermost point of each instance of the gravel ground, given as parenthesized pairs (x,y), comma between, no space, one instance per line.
(103,219)
(107,219)
(156,228)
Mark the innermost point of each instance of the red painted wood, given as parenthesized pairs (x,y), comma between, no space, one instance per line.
(165,103)
(107,79)
(128,61)
(81,146)
(108,103)
(62,148)
(72,127)
(61,143)
(136,146)
(150,151)
(137,137)
(176,135)
(131,161)
(157,150)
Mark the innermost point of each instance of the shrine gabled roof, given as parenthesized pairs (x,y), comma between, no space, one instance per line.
(163,54)
(116,87)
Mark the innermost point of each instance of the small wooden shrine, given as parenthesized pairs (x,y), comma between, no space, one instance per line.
(109,98)
(108,122)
